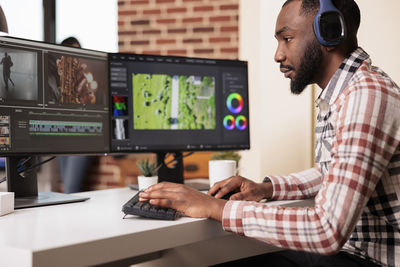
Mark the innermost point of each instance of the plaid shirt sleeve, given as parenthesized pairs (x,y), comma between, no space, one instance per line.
(367,132)
(301,185)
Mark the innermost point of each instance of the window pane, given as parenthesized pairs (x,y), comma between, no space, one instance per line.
(92,22)
(24,18)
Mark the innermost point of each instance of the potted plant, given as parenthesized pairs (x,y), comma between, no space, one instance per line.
(149,173)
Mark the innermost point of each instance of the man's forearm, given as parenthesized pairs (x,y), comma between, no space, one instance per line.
(304,184)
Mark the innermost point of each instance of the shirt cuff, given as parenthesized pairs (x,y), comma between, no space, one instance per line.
(276,188)
(232,217)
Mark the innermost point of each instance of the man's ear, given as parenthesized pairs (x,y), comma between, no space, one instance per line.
(329,48)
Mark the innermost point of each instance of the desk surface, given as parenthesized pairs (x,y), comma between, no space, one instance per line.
(93,232)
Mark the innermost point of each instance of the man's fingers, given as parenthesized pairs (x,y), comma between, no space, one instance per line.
(166,186)
(237,196)
(224,190)
(161,202)
(215,188)
(160,186)
(152,194)
(250,195)
(223,187)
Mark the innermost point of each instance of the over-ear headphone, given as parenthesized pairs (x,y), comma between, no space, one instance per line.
(329,24)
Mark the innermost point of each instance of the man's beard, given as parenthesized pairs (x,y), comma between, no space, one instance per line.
(309,66)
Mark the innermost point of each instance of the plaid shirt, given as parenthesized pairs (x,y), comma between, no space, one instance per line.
(356,184)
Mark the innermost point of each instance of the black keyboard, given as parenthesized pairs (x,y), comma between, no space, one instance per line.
(145,209)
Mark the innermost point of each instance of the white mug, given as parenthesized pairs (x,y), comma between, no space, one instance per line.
(219,170)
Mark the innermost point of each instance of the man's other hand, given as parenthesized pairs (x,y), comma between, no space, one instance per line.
(245,189)
(184,199)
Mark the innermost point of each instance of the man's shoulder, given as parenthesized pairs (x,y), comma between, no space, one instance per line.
(370,86)
(371,79)
(369,97)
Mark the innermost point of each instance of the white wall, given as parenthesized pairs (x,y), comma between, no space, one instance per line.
(281,124)
(379,34)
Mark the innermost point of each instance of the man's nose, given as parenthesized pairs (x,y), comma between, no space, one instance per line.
(279,55)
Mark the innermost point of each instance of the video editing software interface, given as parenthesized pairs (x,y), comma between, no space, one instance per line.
(53,99)
(165,103)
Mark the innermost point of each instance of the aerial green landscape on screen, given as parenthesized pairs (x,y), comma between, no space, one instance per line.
(163,102)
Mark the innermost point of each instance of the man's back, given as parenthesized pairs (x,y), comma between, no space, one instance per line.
(378,228)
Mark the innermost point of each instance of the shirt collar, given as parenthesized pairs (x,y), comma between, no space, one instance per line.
(342,76)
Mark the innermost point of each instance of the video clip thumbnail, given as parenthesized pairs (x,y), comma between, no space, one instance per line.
(19,69)
(76,80)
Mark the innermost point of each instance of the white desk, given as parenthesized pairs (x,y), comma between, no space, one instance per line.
(93,232)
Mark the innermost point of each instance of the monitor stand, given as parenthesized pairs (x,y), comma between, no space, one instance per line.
(25,187)
(174,173)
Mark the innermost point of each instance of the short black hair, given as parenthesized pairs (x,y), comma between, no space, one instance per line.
(70,41)
(349,9)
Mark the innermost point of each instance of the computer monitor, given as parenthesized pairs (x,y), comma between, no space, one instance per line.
(167,104)
(53,100)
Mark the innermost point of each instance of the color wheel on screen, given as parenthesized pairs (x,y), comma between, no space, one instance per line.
(229,122)
(241,122)
(234,103)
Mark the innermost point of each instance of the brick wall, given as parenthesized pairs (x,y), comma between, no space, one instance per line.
(110,172)
(197,28)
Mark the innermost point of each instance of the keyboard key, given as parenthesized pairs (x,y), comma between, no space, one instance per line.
(145,209)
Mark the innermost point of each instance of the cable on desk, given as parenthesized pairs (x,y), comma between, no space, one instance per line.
(21,164)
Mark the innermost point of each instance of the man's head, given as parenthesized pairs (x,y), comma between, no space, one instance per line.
(301,57)
(71,41)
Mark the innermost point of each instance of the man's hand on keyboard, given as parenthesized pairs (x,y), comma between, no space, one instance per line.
(245,189)
(184,199)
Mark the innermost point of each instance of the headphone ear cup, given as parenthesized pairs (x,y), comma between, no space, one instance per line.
(329,25)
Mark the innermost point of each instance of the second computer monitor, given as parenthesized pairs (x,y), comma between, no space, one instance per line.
(165,103)
(53,99)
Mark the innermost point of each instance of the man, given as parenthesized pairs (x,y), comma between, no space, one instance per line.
(7,64)
(71,41)
(356,218)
